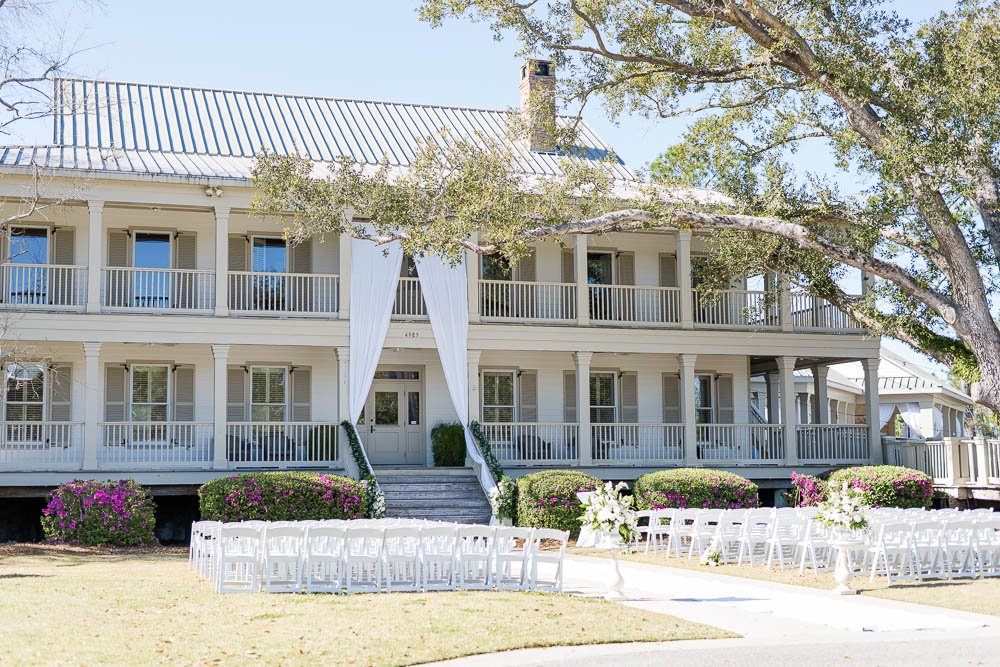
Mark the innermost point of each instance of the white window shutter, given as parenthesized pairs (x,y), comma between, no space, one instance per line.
(301,394)
(569,397)
(118,244)
(626,268)
(568,266)
(302,262)
(527,399)
(668,271)
(671,399)
(61,393)
(237,252)
(63,245)
(236,394)
(526,267)
(114,393)
(630,398)
(184,394)
(724,390)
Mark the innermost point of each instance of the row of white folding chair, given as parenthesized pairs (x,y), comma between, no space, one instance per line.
(936,550)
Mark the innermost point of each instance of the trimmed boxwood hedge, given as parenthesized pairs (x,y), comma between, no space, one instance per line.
(281,496)
(887,486)
(695,488)
(548,499)
(448,444)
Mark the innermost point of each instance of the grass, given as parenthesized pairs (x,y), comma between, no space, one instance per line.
(980,595)
(75,606)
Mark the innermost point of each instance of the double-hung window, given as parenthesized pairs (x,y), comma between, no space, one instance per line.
(268,393)
(603,405)
(25,407)
(704,404)
(150,393)
(498,397)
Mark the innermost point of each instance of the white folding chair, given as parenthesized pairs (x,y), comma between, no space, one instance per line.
(283,559)
(816,548)
(324,559)
(660,530)
(438,558)
(961,552)
(476,551)
(682,527)
(928,550)
(891,554)
(988,546)
(705,526)
(551,556)
(729,534)
(782,545)
(238,558)
(756,531)
(401,553)
(510,570)
(363,560)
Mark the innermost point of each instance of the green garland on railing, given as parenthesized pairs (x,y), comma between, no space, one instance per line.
(374,498)
(503,500)
(487,450)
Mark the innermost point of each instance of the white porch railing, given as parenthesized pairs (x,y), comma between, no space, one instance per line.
(813,313)
(160,290)
(741,443)
(524,443)
(993,461)
(299,294)
(282,444)
(41,446)
(736,308)
(634,305)
(637,443)
(42,287)
(509,300)
(409,300)
(833,443)
(162,445)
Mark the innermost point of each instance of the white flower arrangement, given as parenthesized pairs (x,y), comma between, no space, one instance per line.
(503,499)
(712,556)
(844,510)
(608,511)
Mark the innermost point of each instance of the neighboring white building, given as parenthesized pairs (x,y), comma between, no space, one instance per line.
(166,334)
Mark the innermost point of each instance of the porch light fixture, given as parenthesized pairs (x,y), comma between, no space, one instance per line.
(213,191)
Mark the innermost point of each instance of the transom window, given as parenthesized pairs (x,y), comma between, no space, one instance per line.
(498,396)
(25,392)
(150,393)
(268,393)
(704,406)
(603,407)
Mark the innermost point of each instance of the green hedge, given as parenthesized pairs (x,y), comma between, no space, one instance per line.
(117,513)
(281,496)
(695,488)
(887,486)
(548,499)
(448,444)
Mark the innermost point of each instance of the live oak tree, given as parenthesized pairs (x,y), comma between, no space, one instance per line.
(908,111)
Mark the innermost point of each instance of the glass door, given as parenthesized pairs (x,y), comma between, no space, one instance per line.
(600,273)
(27,282)
(150,282)
(269,256)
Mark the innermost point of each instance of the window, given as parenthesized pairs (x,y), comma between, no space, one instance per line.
(397,375)
(25,393)
(498,397)
(602,398)
(496,267)
(28,284)
(268,393)
(704,408)
(150,393)
(270,255)
(152,288)
(599,268)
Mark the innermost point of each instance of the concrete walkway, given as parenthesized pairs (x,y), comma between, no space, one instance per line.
(780,624)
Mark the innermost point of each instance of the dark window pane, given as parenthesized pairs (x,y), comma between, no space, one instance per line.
(413,406)
(270,255)
(386,408)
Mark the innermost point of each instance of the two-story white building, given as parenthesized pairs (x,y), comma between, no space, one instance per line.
(156,330)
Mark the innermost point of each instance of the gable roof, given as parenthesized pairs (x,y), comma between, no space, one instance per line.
(152,129)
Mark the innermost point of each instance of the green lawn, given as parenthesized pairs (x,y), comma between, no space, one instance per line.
(980,595)
(82,607)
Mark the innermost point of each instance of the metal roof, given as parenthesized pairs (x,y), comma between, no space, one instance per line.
(180,131)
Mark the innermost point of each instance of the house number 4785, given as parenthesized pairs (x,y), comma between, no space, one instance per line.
(411,334)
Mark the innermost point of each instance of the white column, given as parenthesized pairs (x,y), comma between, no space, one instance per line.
(219,390)
(582,362)
(93,398)
(221,261)
(345,285)
(872,411)
(688,416)
(786,378)
(472,275)
(785,301)
(474,402)
(821,374)
(343,405)
(582,291)
(684,278)
(773,404)
(95,234)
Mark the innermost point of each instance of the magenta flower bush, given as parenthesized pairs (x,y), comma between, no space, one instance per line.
(887,486)
(548,499)
(281,496)
(694,488)
(100,513)
(808,491)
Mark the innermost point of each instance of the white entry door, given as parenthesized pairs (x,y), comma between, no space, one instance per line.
(395,425)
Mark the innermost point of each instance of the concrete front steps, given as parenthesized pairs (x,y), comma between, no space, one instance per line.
(438,494)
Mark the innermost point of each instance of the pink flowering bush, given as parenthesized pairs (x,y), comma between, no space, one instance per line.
(548,499)
(281,496)
(694,488)
(100,513)
(887,486)
(808,491)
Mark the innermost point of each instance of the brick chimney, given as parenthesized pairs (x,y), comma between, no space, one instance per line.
(538,104)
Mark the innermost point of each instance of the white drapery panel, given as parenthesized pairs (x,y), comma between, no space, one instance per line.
(374,279)
(910,412)
(938,422)
(885,411)
(445,290)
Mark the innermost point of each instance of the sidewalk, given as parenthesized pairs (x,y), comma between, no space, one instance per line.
(780,624)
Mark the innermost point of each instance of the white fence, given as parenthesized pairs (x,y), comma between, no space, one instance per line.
(43,287)
(409,299)
(741,443)
(630,304)
(637,443)
(736,308)
(129,288)
(833,443)
(533,443)
(156,444)
(812,312)
(300,294)
(509,300)
(28,445)
(282,444)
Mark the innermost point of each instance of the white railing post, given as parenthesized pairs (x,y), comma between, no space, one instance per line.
(343,407)
(684,278)
(685,363)
(472,276)
(220,353)
(786,378)
(221,261)
(95,234)
(344,300)
(872,410)
(582,288)
(981,452)
(585,451)
(93,400)
(785,303)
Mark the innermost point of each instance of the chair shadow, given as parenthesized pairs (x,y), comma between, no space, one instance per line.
(25,576)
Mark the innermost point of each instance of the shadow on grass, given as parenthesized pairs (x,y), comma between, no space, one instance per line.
(24,576)
(70,555)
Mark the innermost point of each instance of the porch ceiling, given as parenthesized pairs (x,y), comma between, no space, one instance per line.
(761,365)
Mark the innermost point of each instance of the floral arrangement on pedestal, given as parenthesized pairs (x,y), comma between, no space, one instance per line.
(609,512)
(844,510)
(503,499)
